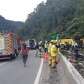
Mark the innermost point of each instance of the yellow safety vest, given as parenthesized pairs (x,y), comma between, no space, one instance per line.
(54,50)
(49,48)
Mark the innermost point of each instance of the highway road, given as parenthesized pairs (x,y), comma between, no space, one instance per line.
(13,72)
(37,71)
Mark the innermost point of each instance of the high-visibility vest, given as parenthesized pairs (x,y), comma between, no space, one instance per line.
(54,50)
(49,48)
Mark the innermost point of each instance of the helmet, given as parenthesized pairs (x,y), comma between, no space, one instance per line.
(53,41)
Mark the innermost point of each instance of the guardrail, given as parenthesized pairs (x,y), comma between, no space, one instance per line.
(67,72)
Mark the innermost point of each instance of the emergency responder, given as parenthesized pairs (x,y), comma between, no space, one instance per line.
(49,54)
(53,54)
(40,48)
(46,46)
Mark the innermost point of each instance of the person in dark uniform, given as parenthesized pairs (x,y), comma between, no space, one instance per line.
(76,52)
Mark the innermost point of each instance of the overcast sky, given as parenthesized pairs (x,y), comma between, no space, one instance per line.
(17,10)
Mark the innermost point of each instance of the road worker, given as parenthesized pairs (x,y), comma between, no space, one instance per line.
(53,53)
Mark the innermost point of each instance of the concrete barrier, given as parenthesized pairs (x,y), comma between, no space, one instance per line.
(67,73)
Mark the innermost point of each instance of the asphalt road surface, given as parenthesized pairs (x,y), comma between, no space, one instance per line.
(48,75)
(14,72)
(37,71)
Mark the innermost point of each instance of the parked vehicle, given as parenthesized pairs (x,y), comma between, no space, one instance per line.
(66,43)
(8,46)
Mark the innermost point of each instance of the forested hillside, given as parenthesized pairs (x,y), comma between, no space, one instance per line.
(62,16)
(9,26)
(77,22)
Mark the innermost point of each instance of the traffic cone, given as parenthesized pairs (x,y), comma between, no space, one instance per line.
(45,56)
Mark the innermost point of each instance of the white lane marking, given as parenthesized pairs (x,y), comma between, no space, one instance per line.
(39,73)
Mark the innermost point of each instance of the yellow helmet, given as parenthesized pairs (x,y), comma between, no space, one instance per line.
(53,41)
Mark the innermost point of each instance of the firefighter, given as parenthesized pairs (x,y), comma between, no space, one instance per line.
(49,54)
(53,54)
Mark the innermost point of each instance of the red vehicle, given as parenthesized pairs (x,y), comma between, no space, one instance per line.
(8,45)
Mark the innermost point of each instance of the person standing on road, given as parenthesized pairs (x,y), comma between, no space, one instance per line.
(54,53)
(37,49)
(49,54)
(76,52)
(46,47)
(24,53)
(40,48)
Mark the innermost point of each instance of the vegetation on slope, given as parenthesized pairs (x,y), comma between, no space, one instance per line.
(60,16)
